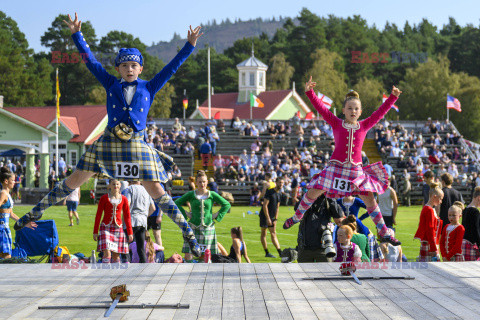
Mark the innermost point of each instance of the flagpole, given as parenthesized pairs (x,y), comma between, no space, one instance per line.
(209,90)
(56,127)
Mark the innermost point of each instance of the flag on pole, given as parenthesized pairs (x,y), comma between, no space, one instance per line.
(58,98)
(309,116)
(453,103)
(326,100)
(393,106)
(255,102)
(185,102)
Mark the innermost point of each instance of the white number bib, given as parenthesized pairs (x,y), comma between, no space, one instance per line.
(203,247)
(342,185)
(127,170)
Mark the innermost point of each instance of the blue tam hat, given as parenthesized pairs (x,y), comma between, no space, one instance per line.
(128,54)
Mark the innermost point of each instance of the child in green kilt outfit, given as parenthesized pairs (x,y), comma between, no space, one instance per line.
(201,219)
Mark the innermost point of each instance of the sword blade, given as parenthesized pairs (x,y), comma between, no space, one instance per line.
(112,307)
(355,277)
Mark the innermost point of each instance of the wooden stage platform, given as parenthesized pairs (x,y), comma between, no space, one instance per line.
(239,291)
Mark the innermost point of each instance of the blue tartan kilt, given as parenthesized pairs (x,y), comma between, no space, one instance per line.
(104,154)
(5,239)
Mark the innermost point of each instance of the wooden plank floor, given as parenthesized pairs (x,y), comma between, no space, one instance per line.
(245,291)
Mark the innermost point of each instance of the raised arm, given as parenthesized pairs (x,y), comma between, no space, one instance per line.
(327,115)
(93,65)
(378,114)
(167,72)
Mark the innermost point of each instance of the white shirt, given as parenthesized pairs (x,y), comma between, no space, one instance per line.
(315,132)
(128,92)
(74,195)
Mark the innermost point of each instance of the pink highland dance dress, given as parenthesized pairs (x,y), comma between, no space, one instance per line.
(345,175)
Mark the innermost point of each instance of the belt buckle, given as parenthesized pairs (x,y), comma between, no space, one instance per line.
(123,132)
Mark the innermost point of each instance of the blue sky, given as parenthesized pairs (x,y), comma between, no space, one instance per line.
(154,21)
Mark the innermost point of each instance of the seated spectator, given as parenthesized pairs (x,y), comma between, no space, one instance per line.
(314,170)
(221,125)
(316,132)
(247,131)
(252,161)
(262,127)
(212,185)
(452,169)
(311,143)
(267,154)
(218,162)
(176,173)
(282,154)
(177,148)
(237,123)
(272,130)
(231,175)
(220,175)
(301,143)
(255,132)
(241,177)
(191,134)
(188,149)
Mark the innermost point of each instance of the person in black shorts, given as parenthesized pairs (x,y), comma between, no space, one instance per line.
(269,215)
(154,222)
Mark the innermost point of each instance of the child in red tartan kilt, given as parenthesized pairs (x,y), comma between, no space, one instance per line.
(344,175)
(452,234)
(110,235)
(430,226)
(471,223)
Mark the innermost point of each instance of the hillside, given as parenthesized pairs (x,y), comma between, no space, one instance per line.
(219,36)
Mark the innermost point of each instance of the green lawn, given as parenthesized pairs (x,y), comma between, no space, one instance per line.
(79,238)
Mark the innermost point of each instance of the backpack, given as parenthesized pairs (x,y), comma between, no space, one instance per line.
(60,252)
(311,228)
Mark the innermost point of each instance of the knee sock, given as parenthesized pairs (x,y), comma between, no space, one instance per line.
(167,205)
(377,218)
(57,194)
(304,205)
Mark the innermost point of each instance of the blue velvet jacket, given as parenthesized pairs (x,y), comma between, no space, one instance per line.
(135,114)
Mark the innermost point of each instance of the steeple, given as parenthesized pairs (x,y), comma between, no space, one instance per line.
(251,77)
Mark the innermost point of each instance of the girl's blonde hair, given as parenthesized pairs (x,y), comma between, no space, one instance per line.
(457,206)
(476,192)
(150,247)
(435,190)
(352,95)
(201,173)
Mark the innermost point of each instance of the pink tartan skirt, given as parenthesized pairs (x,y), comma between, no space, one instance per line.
(112,237)
(339,181)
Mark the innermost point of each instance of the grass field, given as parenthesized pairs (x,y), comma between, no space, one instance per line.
(79,238)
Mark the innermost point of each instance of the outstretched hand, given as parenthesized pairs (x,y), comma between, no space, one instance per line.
(309,85)
(193,35)
(396,92)
(74,25)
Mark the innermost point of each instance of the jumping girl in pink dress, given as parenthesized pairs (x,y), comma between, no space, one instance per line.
(345,176)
